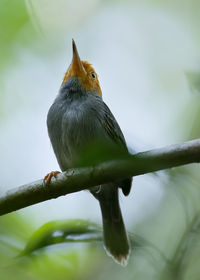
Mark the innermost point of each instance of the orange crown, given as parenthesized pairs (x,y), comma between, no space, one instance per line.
(84,71)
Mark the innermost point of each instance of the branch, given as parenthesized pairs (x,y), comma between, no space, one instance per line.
(74,180)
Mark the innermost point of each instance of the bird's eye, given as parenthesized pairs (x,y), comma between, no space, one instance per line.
(93,75)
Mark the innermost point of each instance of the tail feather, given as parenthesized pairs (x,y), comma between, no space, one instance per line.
(116,241)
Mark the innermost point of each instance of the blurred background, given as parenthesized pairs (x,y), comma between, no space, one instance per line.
(146,54)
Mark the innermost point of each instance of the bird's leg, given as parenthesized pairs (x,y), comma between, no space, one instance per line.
(49,176)
(95,191)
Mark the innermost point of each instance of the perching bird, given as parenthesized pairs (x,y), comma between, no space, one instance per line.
(81,126)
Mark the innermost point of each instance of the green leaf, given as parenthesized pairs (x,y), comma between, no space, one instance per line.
(63,231)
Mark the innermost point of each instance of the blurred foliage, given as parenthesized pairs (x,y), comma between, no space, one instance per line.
(191,118)
(194,81)
(16,31)
(14,232)
(55,232)
(15,28)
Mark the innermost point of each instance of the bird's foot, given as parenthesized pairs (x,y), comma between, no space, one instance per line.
(49,176)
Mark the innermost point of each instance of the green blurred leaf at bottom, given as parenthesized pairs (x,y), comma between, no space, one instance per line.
(62,231)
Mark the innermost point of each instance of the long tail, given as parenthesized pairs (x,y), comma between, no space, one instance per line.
(115,237)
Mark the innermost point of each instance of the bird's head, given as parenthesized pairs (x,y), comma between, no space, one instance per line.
(83,71)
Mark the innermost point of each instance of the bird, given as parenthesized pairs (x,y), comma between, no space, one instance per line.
(82,130)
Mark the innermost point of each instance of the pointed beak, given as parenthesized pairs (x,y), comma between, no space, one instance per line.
(76,66)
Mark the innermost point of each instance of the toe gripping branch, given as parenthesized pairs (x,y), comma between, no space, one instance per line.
(49,176)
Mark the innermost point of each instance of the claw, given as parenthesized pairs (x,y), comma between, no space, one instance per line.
(49,176)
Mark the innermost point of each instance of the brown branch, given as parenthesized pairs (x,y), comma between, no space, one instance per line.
(78,179)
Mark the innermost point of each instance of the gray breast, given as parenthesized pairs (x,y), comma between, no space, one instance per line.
(72,124)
